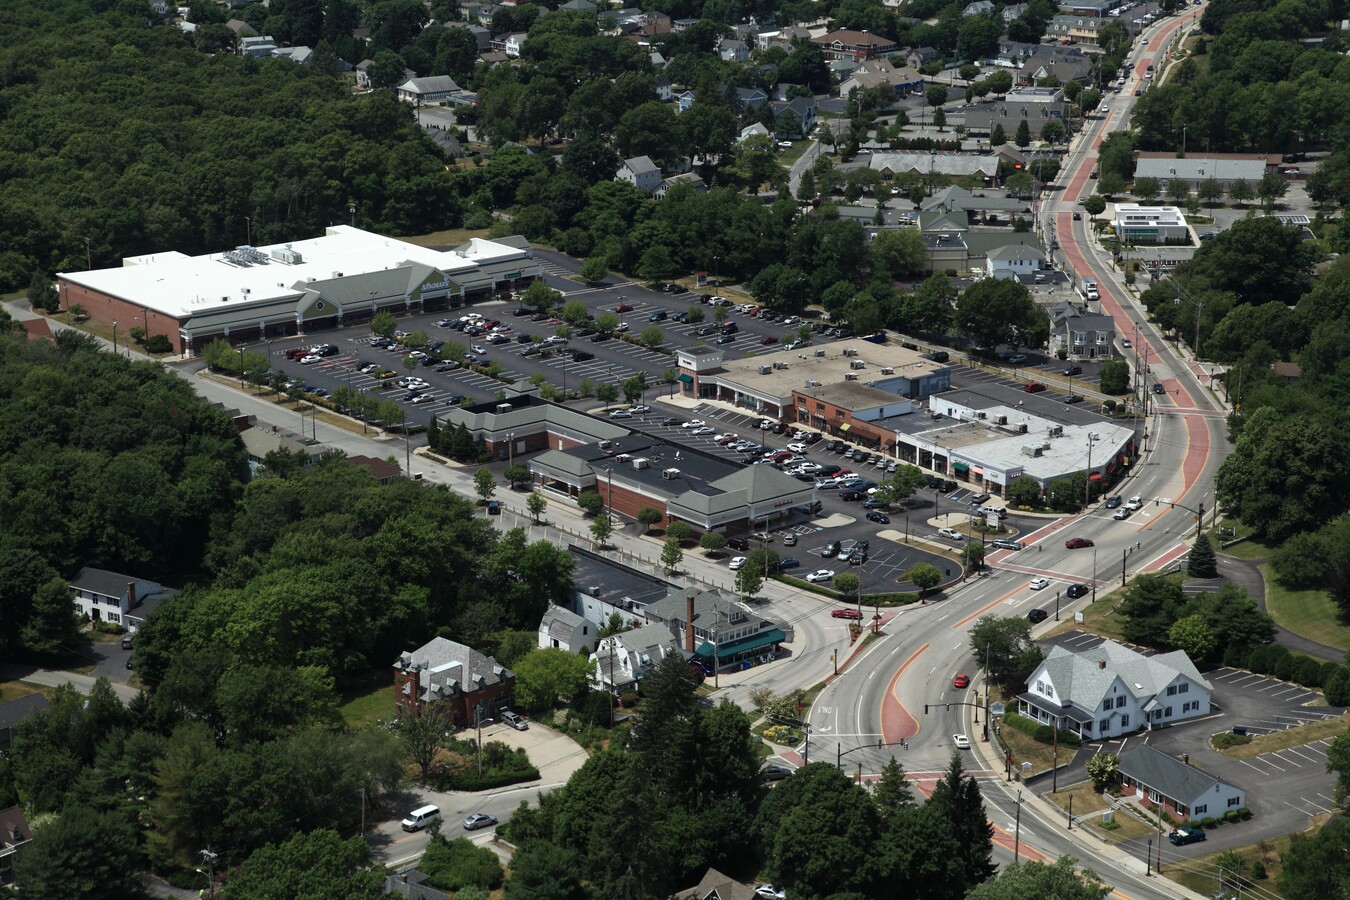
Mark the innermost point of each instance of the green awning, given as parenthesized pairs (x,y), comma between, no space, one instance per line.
(755,642)
(846,426)
(961,467)
(687,379)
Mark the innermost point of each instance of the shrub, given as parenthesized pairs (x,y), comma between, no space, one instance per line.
(1308,672)
(1231,816)
(1244,813)
(158,343)
(471,781)
(1225,739)
(1238,656)
(628,699)
(459,863)
(1337,688)
(1209,822)
(1285,662)
(1039,732)
(1258,870)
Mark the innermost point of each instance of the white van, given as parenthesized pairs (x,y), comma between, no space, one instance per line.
(422,817)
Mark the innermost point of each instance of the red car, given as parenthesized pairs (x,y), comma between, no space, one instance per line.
(623,308)
(769,339)
(846,614)
(1033,387)
(961,681)
(1076,543)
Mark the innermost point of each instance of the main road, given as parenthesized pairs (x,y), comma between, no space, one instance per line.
(883,694)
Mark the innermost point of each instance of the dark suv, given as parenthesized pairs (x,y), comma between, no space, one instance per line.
(1036,615)
(738,544)
(831,549)
(1077,590)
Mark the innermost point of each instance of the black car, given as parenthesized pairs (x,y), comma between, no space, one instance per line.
(520,311)
(658,316)
(585,332)
(851,496)
(880,518)
(1074,370)
(730,328)
(597,338)
(581,356)
(1074,398)
(938,356)
(1113,501)
(827,470)
(831,549)
(1037,615)
(788,562)
(1158,388)
(775,773)
(738,544)
(1077,590)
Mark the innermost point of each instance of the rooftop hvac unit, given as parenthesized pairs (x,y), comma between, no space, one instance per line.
(780,365)
(849,376)
(287,255)
(1001,420)
(811,382)
(849,351)
(337,274)
(503,408)
(1021,427)
(1057,431)
(888,371)
(605,445)
(856,364)
(1033,450)
(982,415)
(623,457)
(642,462)
(670,474)
(820,354)
(765,370)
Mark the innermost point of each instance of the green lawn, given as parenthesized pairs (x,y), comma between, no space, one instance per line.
(1248,549)
(360,707)
(1311,614)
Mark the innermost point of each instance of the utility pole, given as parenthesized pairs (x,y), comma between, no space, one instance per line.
(1017,839)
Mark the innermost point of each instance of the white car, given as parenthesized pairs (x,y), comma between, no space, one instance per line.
(640,408)
(423,398)
(961,741)
(693,423)
(478,348)
(1121,514)
(310,360)
(1039,584)
(768,891)
(797,448)
(622,326)
(951,534)
(820,575)
(737,563)
(704,430)
(825,484)
(766,424)
(1126,343)
(1135,502)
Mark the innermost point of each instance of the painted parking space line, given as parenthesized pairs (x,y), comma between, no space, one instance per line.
(1306,757)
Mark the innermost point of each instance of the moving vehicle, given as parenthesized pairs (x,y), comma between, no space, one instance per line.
(1077,590)
(951,534)
(846,614)
(737,563)
(879,518)
(421,817)
(962,680)
(1037,615)
(961,741)
(1006,544)
(1039,584)
(1135,502)
(1113,501)
(1121,514)
(479,820)
(775,773)
(1078,543)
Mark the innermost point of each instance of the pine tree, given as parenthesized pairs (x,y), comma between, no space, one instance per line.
(1023,138)
(893,791)
(957,799)
(1203,563)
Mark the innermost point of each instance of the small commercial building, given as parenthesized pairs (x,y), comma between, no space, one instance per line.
(1137,224)
(1178,788)
(856,45)
(463,685)
(249,294)
(715,629)
(1034,106)
(1225,168)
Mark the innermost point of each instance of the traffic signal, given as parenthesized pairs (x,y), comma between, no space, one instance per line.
(925,709)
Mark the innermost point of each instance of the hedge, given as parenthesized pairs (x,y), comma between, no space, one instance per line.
(1039,732)
(471,781)
(895,598)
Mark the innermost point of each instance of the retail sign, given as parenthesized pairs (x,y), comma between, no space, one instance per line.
(435,286)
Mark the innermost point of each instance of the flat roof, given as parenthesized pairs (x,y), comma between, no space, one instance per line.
(803,366)
(601,578)
(179,286)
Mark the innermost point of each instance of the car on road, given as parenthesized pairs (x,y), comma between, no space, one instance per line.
(1078,217)
(1121,514)
(1006,544)
(961,741)
(1077,590)
(737,563)
(820,575)
(1157,387)
(515,720)
(1135,502)
(845,614)
(1036,616)
(962,680)
(1113,501)
(1078,543)
(1039,584)
(879,518)
(1033,387)
(951,534)
(775,773)
(479,820)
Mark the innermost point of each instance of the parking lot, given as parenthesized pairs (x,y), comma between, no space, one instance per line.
(1283,787)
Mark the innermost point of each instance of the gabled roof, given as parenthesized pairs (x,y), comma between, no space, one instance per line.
(649,641)
(716,886)
(1080,679)
(14,828)
(17,711)
(432,84)
(559,622)
(640,165)
(1012,252)
(1165,774)
(446,668)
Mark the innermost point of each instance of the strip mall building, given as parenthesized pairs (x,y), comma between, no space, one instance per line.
(247,294)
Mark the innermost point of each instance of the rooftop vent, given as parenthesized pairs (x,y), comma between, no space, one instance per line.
(887,371)
(850,376)
(820,353)
(670,474)
(1033,450)
(642,463)
(503,408)
(765,370)
(856,364)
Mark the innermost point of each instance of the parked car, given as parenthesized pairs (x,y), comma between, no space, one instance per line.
(1033,387)
(623,308)
(1186,834)
(820,575)
(831,549)
(1036,615)
(851,496)
(775,773)
(479,820)
(738,544)
(789,540)
(1074,370)
(879,518)
(1078,543)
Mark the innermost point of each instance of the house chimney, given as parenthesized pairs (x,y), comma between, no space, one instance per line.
(1101,664)
(689,624)
(131,595)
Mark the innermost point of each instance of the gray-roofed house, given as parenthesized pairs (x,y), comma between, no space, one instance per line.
(480,34)
(1182,790)
(716,886)
(878,73)
(916,58)
(14,834)
(705,622)
(456,679)
(585,6)
(641,173)
(623,660)
(732,50)
(1224,168)
(954,198)
(261,440)
(363,72)
(979,8)
(258,46)
(750,131)
(562,629)
(16,712)
(800,110)
(690,178)
(1082,335)
(1050,63)
(411,884)
(1012,12)
(1111,690)
(1035,106)
(1009,261)
(957,164)
(432,89)
(112,597)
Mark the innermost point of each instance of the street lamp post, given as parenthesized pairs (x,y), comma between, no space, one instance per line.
(1017,838)
(114,337)
(248,223)
(1087,485)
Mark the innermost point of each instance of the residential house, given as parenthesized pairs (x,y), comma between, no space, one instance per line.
(258,46)
(751,131)
(623,660)
(917,57)
(881,73)
(732,50)
(512,44)
(453,681)
(979,8)
(15,713)
(363,73)
(299,55)
(750,98)
(716,886)
(1011,54)
(1183,791)
(115,598)
(674,181)
(14,835)
(1136,224)
(1014,11)
(656,22)
(1111,690)
(382,469)
(160,7)
(562,629)
(858,45)
(711,625)
(1082,335)
(1075,29)
(260,441)
(801,112)
(480,34)
(663,89)
(241,28)
(658,62)
(432,89)
(411,884)
(986,207)
(641,173)
(679,25)
(493,58)
(1012,260)
(1035,106)
(1225,168)
(585,6)
(1054,62)
(684,100)
(450,146)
